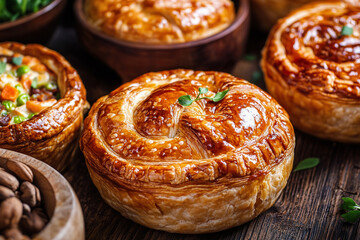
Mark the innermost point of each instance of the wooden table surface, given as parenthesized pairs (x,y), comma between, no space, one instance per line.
(308,208)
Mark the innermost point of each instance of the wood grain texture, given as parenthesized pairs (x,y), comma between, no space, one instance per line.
(309,207)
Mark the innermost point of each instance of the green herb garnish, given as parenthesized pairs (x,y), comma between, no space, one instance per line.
(352,210)
(11,10)
(346,31)
(2,67)
(187,101)
(17,60)
(307,163)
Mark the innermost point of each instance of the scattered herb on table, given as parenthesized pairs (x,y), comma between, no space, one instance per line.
(347,31)
(352,210)
(11,10)
(307,163)
(187,101)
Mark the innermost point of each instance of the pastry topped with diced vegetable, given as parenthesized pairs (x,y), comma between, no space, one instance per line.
(26,87)
(42,102)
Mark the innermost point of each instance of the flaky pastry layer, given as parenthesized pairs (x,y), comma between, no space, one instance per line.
(157,162)
(51,135)
(160,21)
(312,69)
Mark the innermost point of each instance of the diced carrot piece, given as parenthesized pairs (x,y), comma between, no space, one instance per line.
(26,60)
(9,93)
(39,68)
(37,106)
(26,82)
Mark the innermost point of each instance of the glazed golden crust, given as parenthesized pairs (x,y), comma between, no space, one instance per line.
(312,70)
(267,12)
(160,21)
(140,143)
(51,135)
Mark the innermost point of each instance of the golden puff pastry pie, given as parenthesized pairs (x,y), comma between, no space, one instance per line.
(42,100)
(160,21)
(311,66)
(196,169)
(267,12)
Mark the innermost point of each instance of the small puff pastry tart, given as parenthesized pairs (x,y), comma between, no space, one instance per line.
(197,169)
(311,66)
(42,103)
(160,21)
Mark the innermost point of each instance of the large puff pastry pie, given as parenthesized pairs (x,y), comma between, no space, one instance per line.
(311,66)
(160,21)
(196,169)
(42,100)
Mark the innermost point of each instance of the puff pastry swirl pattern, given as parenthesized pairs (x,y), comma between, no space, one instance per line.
(160,21)
(313,70)
(196,169)
(51,135)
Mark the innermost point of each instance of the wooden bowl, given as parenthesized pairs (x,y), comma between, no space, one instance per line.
(36,27)
(130,59)
(61,204)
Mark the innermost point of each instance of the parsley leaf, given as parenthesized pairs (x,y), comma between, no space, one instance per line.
(2,67)
(352,210)
(17,60)
(347,31)
(186,100)
(307,163)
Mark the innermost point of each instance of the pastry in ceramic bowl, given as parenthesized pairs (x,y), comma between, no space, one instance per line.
(311,66)
(160,21)
(196,169)
(267,12)
(42,103)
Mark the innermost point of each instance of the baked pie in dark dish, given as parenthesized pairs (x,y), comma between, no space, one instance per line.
(171,163)
(42,103)
(136,37)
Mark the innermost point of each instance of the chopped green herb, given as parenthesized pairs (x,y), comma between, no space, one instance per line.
(250,57)
(34,83)
(186,100)
(307,163)
(19,119)
(22,70)
(17,60)
(352,210)
(2,67)
(346,31)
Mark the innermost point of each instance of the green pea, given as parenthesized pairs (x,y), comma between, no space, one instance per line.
(18,87)
(22,99)
(22,70)
(31,115)
(50,86)
(9,105)
(19,119)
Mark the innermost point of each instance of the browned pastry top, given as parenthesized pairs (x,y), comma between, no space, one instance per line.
(160,21)
(56,118)
(309,51)
(140,132)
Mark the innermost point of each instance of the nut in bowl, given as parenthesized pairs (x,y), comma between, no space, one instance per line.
(42,103)
(188,151)
(193,34)
(36,201)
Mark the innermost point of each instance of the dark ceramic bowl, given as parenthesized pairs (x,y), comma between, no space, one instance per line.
(36,27)
(130,59)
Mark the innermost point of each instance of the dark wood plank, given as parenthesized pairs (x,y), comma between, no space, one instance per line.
(309,207)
